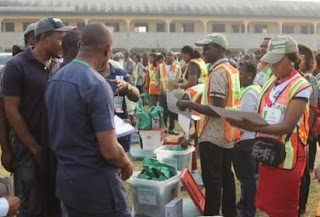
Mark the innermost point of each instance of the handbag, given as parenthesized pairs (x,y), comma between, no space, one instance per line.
(268,151)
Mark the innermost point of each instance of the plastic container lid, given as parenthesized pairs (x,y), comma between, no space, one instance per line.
(164,150)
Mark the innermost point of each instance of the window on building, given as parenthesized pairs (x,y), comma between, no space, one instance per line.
(218,28)
(141,27)
(66,23)
(172,27)
(237,28)
(261,28)
(307,29)
(9,27)
(188,27)
(80,26)
(160,27)
(288,29)
(25,25)
(115,26)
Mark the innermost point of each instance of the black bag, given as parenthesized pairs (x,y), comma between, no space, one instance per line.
(268,151)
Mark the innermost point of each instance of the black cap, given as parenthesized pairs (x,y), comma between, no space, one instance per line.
(51,24)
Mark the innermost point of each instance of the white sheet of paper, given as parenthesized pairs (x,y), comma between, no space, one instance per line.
(253,117)
(122,128)
(184,123)
(172,106)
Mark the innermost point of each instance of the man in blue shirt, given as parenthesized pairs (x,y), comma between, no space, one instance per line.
(121,84)
(91,163)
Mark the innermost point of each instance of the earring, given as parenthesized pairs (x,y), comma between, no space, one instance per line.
(292,63)
(249,77)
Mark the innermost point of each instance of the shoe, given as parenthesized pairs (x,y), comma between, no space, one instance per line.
(173,132)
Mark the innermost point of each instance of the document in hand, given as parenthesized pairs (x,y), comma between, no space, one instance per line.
(122,128)
(172,106)
(237,115)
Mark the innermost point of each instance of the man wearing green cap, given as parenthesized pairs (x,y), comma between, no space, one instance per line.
(222,89)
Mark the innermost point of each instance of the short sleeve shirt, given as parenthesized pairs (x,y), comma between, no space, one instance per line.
(26,77)
(219,87)
(80,104)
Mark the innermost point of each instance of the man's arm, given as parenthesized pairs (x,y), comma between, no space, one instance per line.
(202,109)
(102,118)
(111,150)
(12,105)
(7,154)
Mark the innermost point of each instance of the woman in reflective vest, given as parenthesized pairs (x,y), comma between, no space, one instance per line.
(284,105)
(196,71)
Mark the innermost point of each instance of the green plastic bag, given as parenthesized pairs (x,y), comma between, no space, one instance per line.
(154,170)
(151,119)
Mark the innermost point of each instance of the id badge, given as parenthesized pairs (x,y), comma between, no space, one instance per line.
(272,115)
(118,100)
(261,78)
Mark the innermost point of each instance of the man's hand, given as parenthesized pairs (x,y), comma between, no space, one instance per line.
(121,85)
(37,154)
(7,160)
(126,172)
(14,204)
(183,104)
(133,120)
(183,141)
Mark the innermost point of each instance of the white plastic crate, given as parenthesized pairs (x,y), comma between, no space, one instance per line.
(177,159)
(150,197)
(151,139)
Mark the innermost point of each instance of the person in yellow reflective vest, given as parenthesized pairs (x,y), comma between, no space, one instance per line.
(264,69)
(284,105)
(216,136)
(150,84)
(167,74)
(244,165)
(195,72)
(138,72)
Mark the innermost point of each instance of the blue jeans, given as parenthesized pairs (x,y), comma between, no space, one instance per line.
(245,169)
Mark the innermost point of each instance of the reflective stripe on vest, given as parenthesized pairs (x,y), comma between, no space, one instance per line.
(301,131)
(135,73)
(195,92)
(164,76)
(153,90)
(255,87)
(203,70)
(233,99)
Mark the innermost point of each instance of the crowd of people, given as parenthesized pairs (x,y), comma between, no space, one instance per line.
(61,91)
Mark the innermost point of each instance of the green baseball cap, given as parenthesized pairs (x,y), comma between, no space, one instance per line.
(214,38)
(31,27)
(278,47)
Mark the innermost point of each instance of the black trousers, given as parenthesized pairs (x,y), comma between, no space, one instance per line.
(75,213)
(245,169)
(218,179)
(166,113)
(312,142)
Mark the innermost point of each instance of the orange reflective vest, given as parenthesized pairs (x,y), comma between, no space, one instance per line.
(301,131)
(164,75)
(203,70)
(195,93)
(153,90)
(233,99)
